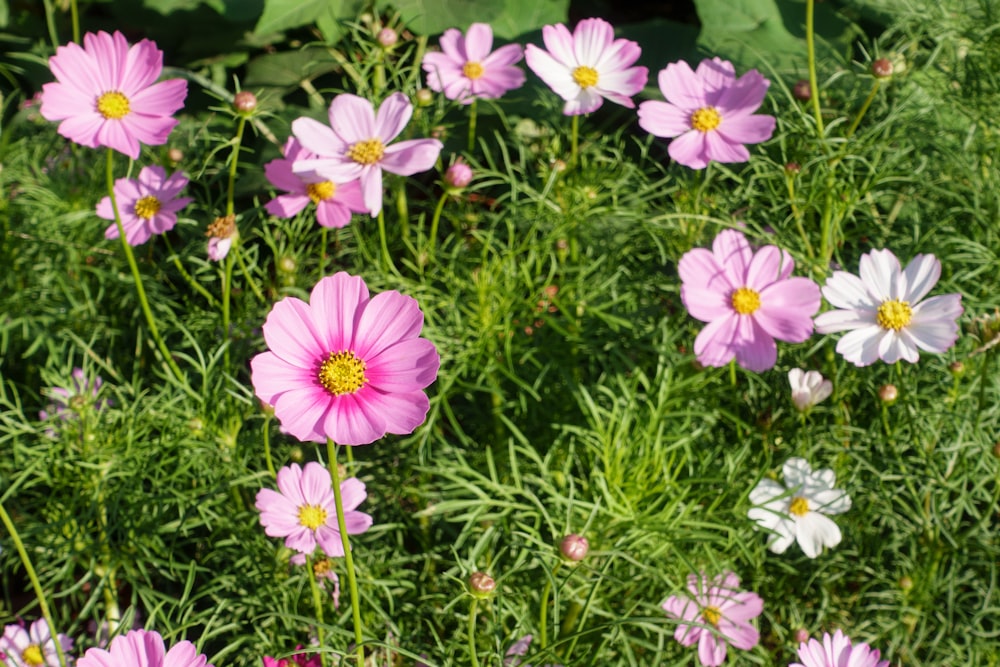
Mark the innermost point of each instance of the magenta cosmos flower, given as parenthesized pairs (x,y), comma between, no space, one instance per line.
(34,647)
(345,366)
(714,614)
(142,648)
(884,313)
(748,300)
(335,202)
(837,651)
(709,111)
(304,513)
(466,69)
(588,66)
(105,94)
(356,145)
(147,205)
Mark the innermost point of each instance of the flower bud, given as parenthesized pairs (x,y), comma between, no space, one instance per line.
(387,38)
(287,264)
(802,90)
(482,585)
(957,368)
(882,68)
(458,175)
(888,394)
(801,636)
(792,168)
(905,583)
(175,155)
(245,102)
(425,97)
(574,547)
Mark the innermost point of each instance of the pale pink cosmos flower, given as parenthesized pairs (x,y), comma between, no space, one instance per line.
(837,651)
(345,366)
(748,300)
(105,94)
(68,401)
(143,648)
(517,650)
(715,614)
(356,145)
(458,175)
(588,66)
(335,202)
(303,510)
(709,111)
(299,659)
(147,205)
(33,647)
(884,313)
(808,388)
(465,69)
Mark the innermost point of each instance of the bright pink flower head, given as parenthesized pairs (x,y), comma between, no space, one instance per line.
(465,69)
(837,651)
(346,366)
(147,205)
(105,94)
(296,660)
(356,145)
(303,509)
(142,648)
(715,614)
(34,647)
(748,300)
(709,111)
(588,66)
(335,202)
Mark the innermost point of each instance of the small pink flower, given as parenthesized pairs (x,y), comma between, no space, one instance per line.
(748,300)
(808,388)
(714,614)
(142,648)
(303,509)
(299,659)
(34,647)
(458,175)
(221,234)
(67,401)
(345,365)
(105,94)
(837,651)
(588,66)
(335,202)
(465,69)
(709,111)
(356,145)
(147,205)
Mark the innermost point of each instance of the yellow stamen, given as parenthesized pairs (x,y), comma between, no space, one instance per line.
(312,516)
(32,655)
(113,105)
(472,70)
(705,119)
(894,314)
(745,301)
(342,373)
(799,506)
(366,152)
(322,566)
(147,207)
(711,615)
(585,77)
(321,191)
(222,227)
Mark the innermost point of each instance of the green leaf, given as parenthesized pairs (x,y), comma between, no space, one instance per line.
(508,18)
(289,68)
(4,14)
(170,6)
(281,15)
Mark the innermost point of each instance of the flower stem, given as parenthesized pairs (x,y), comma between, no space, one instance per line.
(473,109)
(35,583)
(267,447)
(318,604)
(322,255)
(473,660)
(384,241)
(432,241)
(246,273)
(227,276)
(74,13)
(797,213)
(811,54)
(864,108)
(130,256)
(352,582)
(194,284)
(574,134)
(543,612)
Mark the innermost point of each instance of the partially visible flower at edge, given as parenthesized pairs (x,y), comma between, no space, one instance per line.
(297,659)
(147,205)
(512,658)
(837,651)
(323,570)
(466,69)
(143,648)
(808,388)
(221,233)
(33,647)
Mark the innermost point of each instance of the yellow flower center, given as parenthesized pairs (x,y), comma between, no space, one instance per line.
(894,314)
(312,516)
(147,207)
(321,191)
(705,119)
(33,655)
(585,77)
(745,301)
(712,616)
(342,373)
(322,566)
(366,152)
(222,227)
(799,506)
(472,70)
(113,105)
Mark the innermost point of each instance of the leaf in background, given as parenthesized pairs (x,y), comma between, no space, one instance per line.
(4,13)
(331,24)
(281,15)
(508,18)
(170,6)
(288,68)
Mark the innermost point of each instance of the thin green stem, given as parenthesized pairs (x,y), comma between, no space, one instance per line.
(574,134)
(318,605)
(473,658)
(35,583)
(322,255)
(473,114)
(387,262)
(811,54)
(864,109)
(227,275)
(432,241)
(352,581)
(74,13)
(797,214)
(50,23)
(227,282)
(237,140)
(238,251)
(267,447)
(543,613)
(194,284)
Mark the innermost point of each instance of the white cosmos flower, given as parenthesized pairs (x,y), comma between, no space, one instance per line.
(797,511)
(808,389)
(883,312)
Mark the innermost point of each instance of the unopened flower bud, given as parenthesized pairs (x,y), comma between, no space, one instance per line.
(905,583)
(175,155)
(882,68)
(482,585)
(287,264)
(574,547)
(888,394)
(424,97)
(387,38)
(245,102)
(957,368)
(801,636)
(439,132)
(802,90)
(458,175)
(793,168)
(296,455)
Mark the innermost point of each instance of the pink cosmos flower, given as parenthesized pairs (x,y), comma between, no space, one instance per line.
(296,660)
(105,94)
(588,66)
(709,111)
(884,313)
(345,366)
(67,401)
(748,300)
(303,509)
(147,205)
(34,647)
(458,175)
(808,388)
(221,233)
(335,202)
(512,658)
(465,69)
(143,648)
(356,145)
(714,614)
(837,651)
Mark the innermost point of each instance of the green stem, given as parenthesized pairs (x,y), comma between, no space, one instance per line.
(74,13)
(130,256)
(432,241)
(384,242)
(227,276)
(864,108)
(246,273)
(472,124)
(318,605)
(50,22)
(194,284)
(227,282)
(543,613)
(797,214)
(811,54)
(267,447)
(574,140)
(473,659)
(322,255)
(35,583)
(348,559)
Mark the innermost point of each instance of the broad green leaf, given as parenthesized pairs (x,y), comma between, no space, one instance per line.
(332,25)
(281,15)
(169,6)
(508,18)
(288,68)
